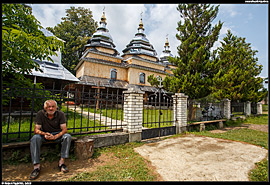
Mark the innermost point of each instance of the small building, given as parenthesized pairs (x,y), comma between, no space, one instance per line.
(53,75)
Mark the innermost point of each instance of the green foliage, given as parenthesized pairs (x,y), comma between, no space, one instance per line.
(23,41)
(17,89)
(153,80)
(197,36)
(260,173)
(237,70)
(76,29)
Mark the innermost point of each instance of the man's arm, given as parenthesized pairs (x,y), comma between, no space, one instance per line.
(38,131)
(64,131)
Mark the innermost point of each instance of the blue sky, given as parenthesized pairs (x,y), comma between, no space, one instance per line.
(244,20)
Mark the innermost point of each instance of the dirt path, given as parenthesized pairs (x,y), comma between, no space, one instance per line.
(50,171)
(195,158)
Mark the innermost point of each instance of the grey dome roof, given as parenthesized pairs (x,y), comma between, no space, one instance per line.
(140,44)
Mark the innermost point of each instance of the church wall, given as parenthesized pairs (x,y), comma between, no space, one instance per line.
(80,71)
(133,76)
(105,50)
(93,55)
(103,71)
(148,58)
(146,64)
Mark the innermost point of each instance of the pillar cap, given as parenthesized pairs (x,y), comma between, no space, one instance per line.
(134,90)
(182,95)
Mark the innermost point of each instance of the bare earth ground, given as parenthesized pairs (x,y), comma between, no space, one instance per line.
(50,171)
(194,158)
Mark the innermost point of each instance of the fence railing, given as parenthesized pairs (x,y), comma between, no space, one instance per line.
(238,108)
(207,110)
(158,111)
(87,111)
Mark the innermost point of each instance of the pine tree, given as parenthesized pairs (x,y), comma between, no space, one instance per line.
(237,72)
(193,74)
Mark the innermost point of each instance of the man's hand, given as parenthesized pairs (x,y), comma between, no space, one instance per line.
(49,136)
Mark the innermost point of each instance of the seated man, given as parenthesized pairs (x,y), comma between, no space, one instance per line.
(50,125)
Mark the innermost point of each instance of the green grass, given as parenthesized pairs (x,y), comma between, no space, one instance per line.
(260,172)
(247,135)
(150,116)
(258,120)
(265,107)
(130,166)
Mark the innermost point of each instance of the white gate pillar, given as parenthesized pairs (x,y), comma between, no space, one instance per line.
(133,110)
(180,112)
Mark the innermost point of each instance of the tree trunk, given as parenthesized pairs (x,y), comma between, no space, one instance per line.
(84,148)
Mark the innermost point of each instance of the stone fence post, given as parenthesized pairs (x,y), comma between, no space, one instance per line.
(247,108)
(227,108)
(133,110)
(259,108)
(180,112)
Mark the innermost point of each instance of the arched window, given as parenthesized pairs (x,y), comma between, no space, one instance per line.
(142,78)
(113,74)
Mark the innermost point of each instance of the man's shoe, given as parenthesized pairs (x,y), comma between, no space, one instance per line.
(34,174)
(63,168)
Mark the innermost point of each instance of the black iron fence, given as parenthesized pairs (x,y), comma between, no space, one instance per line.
(87,111)
(158,110)
(254,108)
(237,108)
(207,110)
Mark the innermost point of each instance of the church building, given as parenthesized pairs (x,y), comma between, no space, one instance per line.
(102,66)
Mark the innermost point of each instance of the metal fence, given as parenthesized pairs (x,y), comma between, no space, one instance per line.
(254,108)
(207,110)
(158,111)
(237,108)
(87,111)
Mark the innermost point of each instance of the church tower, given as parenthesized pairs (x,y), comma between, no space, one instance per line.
(101,64)
(166,53)
(102,40)
(140,46)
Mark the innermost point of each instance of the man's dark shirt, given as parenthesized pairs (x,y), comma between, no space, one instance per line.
(50,125)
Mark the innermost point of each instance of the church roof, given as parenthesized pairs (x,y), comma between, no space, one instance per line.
(140,44)
(102,37)
(166,53)
(53,70)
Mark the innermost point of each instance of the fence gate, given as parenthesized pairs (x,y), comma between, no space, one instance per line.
(254,108)
(158,115)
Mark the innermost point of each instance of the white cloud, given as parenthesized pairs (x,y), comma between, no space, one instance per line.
(122,21)
(162,20)
(49,14)
(229,10)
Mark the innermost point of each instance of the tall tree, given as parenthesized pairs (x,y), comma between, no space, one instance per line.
(194,73)
(237,71)
(23,41)
(76,29)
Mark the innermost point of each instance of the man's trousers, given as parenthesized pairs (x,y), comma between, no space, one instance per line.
(37,140)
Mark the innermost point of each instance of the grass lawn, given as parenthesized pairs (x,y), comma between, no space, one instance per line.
(258,120)
(130,166)
(150,116)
